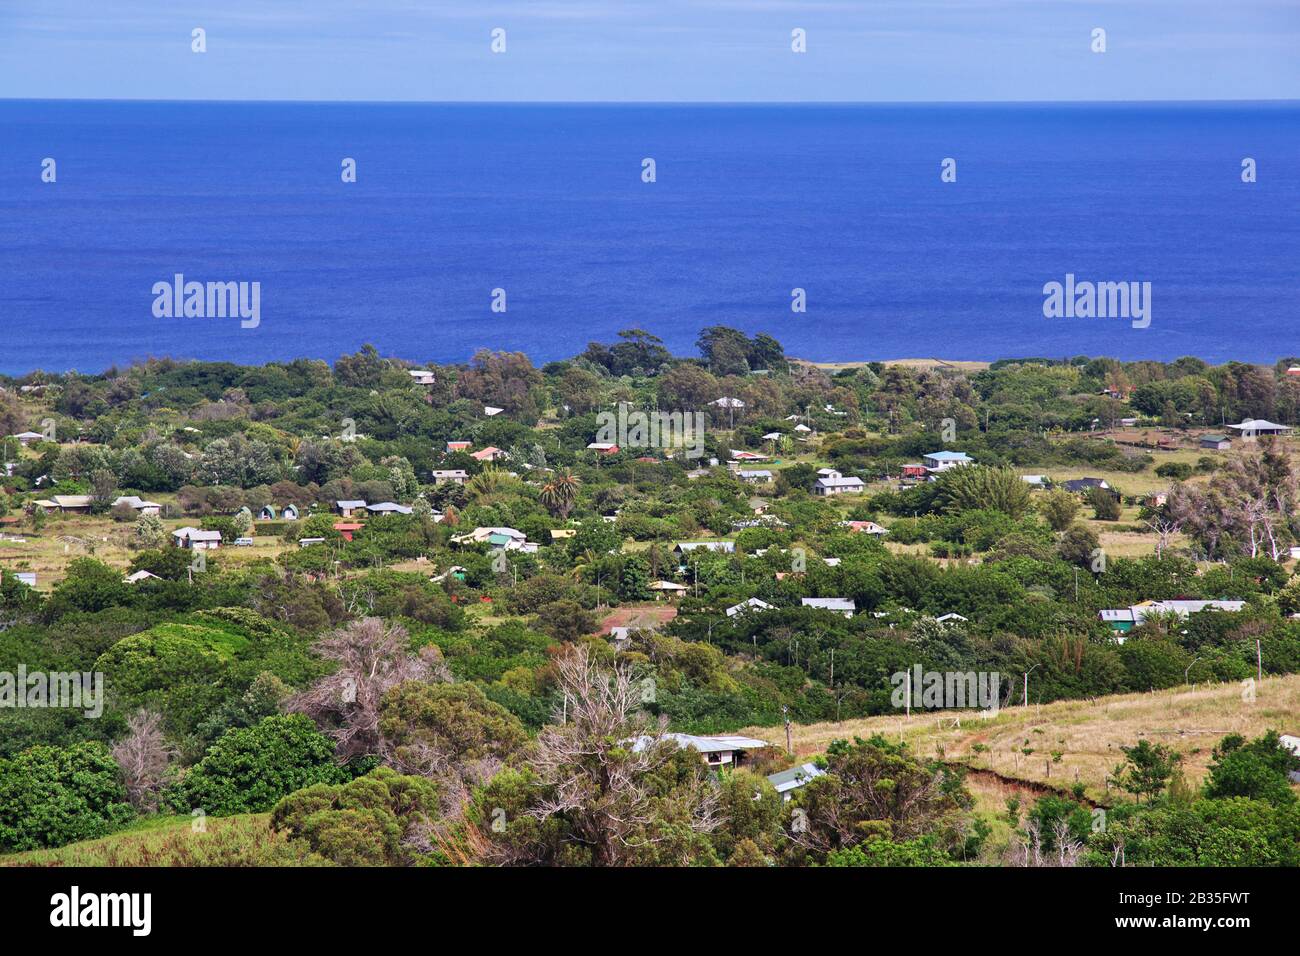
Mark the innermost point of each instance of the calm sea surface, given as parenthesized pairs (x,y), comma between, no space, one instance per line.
(547,202)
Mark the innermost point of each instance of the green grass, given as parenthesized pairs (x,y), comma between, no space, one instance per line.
(245,840)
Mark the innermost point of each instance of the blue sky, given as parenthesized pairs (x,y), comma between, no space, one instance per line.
(651,50)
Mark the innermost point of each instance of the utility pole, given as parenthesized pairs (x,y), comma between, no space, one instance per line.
(1188,669)
(1259,661)
(1027,673)
(785,712)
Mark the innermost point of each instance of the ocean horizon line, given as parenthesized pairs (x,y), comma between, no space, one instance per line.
(1271,101)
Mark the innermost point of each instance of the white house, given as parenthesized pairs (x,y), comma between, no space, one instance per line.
(745,607)
(723,750)
(755,477)
(141,575)
(832,482)
(140,505)
(196,539)
(26,438)
(420,376)
(686,547)
(1251,428)
(388,508)
(943,460)
(844,606)
(1292,743)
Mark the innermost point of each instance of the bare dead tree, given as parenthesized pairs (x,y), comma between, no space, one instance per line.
(373,658)
(143,756)
(1031,850)
(596,766)
(1165,529)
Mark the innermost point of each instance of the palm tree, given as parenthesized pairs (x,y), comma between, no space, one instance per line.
(560,494)
(486,485)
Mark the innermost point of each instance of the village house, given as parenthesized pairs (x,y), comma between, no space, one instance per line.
(420,376)
(943,460)
(1292,743)
(721,751)
(349,507)
(756,477)
(788,781)
(865,527)
(139,505)
(308,542)
(141,575)
(196,539)
(1123,620)
(455,446)
(832,482)
(1035,481)
(388,508)
(1216,442)
(26,438)
(1252,428)
(603,447)
(845,606)
(682,548)
(742,456)
(746,607)
(914,471)
(491,411)
(347,528)
(455,476)
(668,588)
(488,454)
(1081,485)
(65,503)
(506,538)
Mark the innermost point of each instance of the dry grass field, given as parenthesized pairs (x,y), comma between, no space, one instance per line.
(1087,734)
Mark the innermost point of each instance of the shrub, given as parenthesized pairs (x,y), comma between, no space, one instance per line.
(249,769)
(50,796)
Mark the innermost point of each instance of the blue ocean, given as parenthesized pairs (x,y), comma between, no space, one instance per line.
(547,202)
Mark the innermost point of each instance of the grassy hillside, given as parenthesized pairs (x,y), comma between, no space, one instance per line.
(1086,734)
(245,840)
